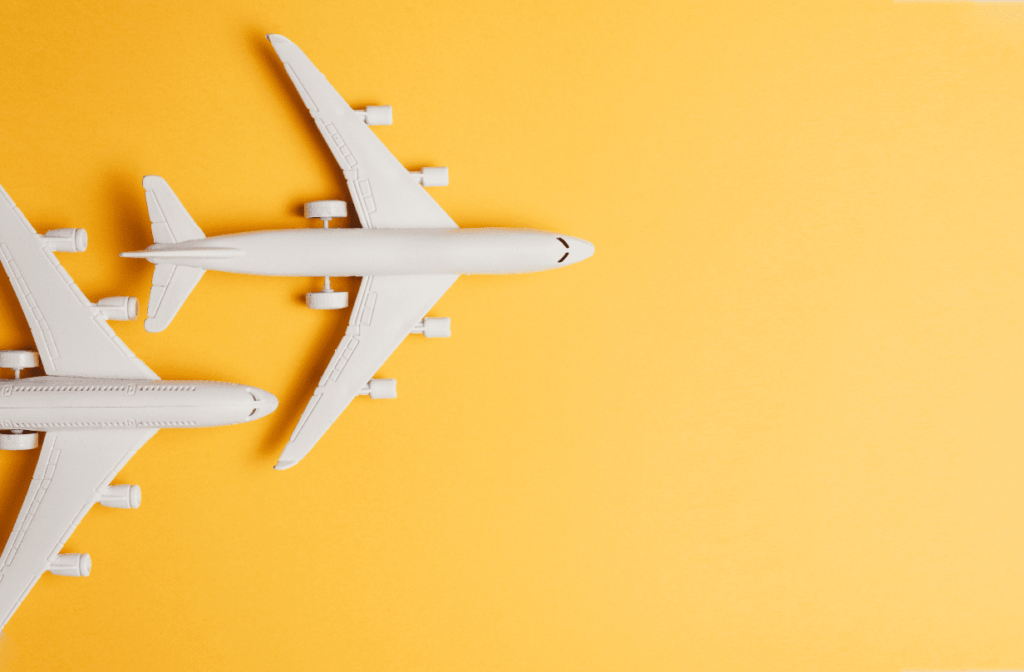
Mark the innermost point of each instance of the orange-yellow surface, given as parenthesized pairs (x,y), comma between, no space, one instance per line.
(775,423)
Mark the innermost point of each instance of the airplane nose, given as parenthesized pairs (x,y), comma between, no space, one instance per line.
(580,249)
(265,403)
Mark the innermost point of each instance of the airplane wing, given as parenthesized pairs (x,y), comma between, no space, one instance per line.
(73,470)
(386,310)
(384,194)
(71,334)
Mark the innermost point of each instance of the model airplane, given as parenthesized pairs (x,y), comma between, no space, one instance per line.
(97,404)
(408,252)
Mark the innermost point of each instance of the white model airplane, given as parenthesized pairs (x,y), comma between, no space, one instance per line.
(97,404)
(408,252)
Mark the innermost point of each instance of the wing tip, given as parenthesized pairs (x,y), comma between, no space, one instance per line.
(6,197)
(283,464)
(153,325)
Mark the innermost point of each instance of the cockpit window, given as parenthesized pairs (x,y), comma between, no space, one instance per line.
(562,241)
(563,257)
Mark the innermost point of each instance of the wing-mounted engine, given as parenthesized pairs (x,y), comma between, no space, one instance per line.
(375,115)
(71,564)
(17,439)
(434,327)
(120,308)
(381,388)
(121,496)
(65,240)
(431,176)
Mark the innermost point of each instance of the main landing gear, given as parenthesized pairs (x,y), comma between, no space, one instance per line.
(325,211)
(18,360)
(18,439)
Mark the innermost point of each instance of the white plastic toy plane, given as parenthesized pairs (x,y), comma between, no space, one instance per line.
(408,252)
(98,403)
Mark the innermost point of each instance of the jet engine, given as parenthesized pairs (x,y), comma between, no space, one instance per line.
(434,327)
(381,388)
(71,564)
(65,240)
(431,176)
(376,115)
(16,439)
(121,308)
(121,496)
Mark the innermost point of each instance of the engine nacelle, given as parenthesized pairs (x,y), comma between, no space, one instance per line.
(375,115)
(121,308)
(434,327)
(381,388)
(431,176)
(71,564)
(65,240)
(121,496)
(16,439)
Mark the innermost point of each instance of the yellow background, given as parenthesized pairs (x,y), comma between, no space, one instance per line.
(774,423)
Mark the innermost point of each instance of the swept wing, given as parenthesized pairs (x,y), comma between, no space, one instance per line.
(385,196)
(71,334)
(73,470)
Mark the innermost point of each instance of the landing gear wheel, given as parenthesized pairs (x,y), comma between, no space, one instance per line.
(327,300)
(325,209)
(18,440)
(18,360)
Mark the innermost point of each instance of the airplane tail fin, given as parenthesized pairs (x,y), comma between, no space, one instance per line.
(171,224)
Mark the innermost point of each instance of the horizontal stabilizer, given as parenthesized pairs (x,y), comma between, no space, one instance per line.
(171,222)
(171,286)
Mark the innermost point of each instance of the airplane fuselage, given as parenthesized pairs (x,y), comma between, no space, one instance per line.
(363,252)
(54,403)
